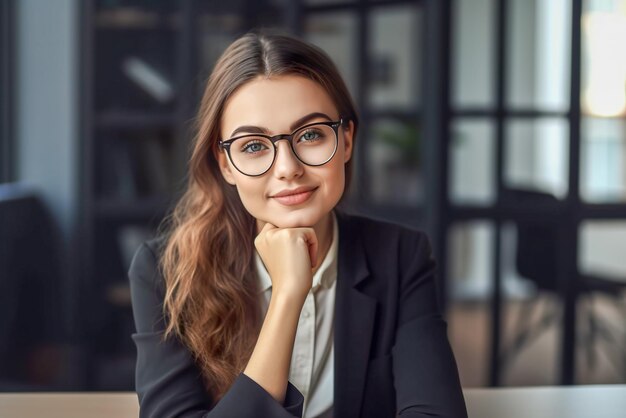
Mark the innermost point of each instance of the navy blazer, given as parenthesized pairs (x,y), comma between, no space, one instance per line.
(392,355)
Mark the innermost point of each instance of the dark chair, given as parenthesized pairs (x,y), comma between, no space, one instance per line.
(536,260)
(31,288)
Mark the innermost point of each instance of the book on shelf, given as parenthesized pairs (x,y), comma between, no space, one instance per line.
(155,166)
(118,170)
(135,167)
(149,79)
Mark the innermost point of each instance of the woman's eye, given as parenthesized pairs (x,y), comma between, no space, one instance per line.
(253,147)
(310,136)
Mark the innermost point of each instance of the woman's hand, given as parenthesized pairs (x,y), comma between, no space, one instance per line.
(289,254)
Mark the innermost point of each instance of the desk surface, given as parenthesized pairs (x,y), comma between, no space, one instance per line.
(69,405)
(598,401)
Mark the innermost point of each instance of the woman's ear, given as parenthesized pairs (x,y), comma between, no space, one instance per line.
(348,136)
(225,168)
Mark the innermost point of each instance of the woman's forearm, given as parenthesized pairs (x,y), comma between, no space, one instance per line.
(271,357)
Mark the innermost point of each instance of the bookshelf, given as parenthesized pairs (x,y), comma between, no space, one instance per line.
(137,100)
(143,66)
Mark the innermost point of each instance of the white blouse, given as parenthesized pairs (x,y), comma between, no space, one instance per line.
(312,361)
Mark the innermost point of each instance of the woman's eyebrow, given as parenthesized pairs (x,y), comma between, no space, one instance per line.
(296,124)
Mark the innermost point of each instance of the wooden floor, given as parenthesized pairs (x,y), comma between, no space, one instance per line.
(538,363)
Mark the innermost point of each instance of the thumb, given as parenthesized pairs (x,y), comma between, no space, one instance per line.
(312,244)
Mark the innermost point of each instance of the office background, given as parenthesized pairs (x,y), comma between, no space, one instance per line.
(498,126)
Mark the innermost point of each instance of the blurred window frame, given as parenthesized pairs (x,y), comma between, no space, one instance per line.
(7,85)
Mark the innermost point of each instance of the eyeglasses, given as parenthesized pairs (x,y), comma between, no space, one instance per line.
(314,144)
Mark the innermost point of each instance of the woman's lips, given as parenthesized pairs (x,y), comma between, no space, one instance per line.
(294,199)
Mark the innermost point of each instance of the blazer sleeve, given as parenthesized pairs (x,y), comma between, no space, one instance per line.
(425,371)
(167,379)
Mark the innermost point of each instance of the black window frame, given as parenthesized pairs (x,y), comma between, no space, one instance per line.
(7,141)
(573,210)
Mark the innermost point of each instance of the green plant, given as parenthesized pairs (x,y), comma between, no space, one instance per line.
(405,137)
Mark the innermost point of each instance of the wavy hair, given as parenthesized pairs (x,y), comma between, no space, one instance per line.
(211,293)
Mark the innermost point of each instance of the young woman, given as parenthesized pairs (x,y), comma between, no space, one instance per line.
(259,298)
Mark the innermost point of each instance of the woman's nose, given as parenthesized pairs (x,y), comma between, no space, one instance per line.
(287,164)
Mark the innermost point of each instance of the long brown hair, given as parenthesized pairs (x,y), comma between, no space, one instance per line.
(211,292)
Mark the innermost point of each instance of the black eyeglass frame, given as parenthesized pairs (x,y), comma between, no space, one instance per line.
(225,144)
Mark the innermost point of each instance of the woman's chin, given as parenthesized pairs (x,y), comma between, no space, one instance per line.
(293,223)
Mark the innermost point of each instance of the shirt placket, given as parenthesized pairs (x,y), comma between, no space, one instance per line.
(305,347)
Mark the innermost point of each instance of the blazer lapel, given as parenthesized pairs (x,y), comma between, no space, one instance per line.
(354,321)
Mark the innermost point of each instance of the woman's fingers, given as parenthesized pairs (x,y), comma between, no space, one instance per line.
(312,245)
(289,254)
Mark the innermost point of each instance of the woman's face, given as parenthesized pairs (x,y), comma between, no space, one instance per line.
(273,105)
